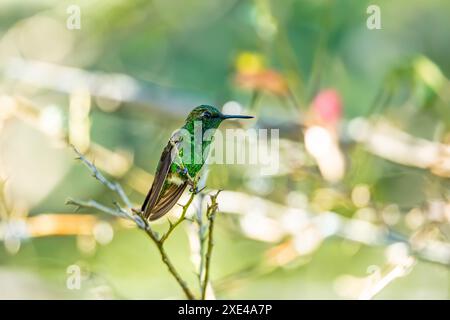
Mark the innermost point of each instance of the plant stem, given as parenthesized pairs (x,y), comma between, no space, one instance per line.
(113,186)
(135,216)
(211,215)
(180,219)
(168,263)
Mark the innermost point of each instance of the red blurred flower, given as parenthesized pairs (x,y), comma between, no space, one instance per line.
(327,107)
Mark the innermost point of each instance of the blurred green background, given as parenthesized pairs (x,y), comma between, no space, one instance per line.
(119,85)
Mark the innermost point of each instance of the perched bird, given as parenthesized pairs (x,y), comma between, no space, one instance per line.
(182,159)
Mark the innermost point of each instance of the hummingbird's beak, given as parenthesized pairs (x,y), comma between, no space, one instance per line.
(231,116)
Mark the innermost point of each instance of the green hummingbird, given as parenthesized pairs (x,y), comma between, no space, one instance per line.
(182,160)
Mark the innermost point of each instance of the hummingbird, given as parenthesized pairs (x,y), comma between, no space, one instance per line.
(182,160)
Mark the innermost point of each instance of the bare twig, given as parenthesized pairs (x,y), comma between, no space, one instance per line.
(113,186)
(172,226)
(381,281)
(211,215)
(135,216)
(96,205)
(201,233)
(165,258)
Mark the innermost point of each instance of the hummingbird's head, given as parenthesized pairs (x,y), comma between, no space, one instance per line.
(210,116)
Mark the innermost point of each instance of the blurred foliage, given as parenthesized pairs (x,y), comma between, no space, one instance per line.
(273,58)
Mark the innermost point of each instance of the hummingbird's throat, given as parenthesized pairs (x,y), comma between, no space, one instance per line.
(194,145)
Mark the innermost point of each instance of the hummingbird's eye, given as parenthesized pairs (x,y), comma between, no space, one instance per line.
(207,115)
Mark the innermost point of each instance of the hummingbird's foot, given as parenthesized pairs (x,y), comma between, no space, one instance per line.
(138,217)
(196,190)
(137,211)
(183,171)
(193,190)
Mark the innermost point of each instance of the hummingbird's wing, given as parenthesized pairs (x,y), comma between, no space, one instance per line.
(158,201)
(167,200)
(158,182)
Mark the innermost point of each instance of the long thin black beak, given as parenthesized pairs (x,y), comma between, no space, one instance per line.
(231,116)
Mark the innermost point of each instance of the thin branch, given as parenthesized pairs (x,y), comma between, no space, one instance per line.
(211,215)
(95,205)
(113,186)
(172,226)
(201,239)
(165,258)
(381,282)
(135,216)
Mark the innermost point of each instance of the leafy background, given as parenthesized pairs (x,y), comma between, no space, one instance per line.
(184,53)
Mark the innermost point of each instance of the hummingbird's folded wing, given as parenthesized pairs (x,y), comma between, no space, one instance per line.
(160,177)
(158,201)
(167,200)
